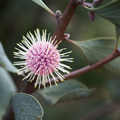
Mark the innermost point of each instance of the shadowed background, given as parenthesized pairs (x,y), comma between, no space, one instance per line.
(17,17)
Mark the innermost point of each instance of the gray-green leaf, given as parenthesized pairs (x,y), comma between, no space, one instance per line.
(67,90)
(97,49)
(7,88)
(109,11)
(26,107)
(5,62)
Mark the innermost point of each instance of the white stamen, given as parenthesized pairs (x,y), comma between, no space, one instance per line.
(41,58)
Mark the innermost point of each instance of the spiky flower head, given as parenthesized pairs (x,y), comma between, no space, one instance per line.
(41,59)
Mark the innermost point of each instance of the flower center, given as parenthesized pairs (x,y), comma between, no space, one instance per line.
(42,58)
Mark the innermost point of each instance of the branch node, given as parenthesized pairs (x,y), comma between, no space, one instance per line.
(66,35)
(58,14)
(116,51)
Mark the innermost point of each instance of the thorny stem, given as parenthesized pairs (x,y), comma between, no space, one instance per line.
(59,33)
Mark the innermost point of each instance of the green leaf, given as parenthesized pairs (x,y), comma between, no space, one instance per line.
(7,88)
(97,49)
(42,4)
(67,90)
(26,107)
(109,11)
(5,62)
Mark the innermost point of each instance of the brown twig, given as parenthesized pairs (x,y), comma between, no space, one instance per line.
(88,68)
(29,87)
(64,20)
(59,32)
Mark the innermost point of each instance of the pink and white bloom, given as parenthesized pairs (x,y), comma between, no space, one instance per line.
(41,59)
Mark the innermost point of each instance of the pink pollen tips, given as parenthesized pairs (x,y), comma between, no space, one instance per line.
(39,58)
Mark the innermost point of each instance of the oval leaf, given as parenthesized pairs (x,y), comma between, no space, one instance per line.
(109,11)
(5,62)
(67,90)
(26,107)
(7,88)
(97,49)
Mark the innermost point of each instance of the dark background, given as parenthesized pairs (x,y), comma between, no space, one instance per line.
(17,17)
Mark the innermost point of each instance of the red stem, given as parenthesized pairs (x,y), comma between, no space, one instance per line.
(29,87)
(64,20)
(59,32)
(88,68)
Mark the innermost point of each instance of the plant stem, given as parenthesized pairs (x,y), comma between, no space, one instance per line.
(64,20)
(59,32)
(88,68)
(9,115)
(29,87)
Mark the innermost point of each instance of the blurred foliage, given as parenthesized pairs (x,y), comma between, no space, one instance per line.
(68,90)
(17,17)
(5,62)
(7,88)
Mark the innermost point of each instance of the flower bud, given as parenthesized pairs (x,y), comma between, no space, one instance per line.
(58,13)
(66,35)
(91,15)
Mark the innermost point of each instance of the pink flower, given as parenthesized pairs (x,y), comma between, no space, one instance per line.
(41,59)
